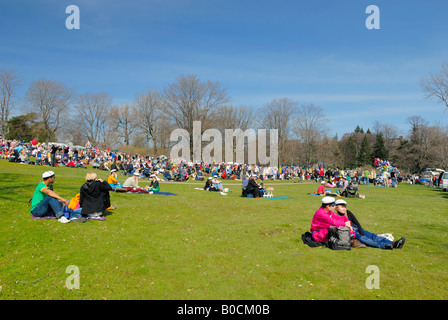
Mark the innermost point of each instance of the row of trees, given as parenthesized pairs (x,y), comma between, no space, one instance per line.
(51,111)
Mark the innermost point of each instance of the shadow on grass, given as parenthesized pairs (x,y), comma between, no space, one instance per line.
(15,192)
(443,194)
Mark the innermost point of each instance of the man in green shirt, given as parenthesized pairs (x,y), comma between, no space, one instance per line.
(45,201)
(366,177)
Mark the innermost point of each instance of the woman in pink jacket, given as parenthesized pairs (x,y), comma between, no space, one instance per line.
(326,217)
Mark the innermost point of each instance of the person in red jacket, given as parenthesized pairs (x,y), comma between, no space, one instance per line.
(321,189)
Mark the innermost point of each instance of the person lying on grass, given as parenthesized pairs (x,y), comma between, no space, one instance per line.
(364,236)
(47,203)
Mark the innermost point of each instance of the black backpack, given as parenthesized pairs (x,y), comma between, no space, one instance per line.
(307,239)
(339,238)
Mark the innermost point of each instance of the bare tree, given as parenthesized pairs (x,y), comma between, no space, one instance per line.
(49,99)
(435,86)
(417,124)
(188,99)
(92,113)
(9,82)
(163,132)
(234,117)
(390,135)
(148,108)
(388,131)
(308,129)
(279,114)
(124,120)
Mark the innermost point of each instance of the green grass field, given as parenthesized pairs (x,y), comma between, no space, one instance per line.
(202,245)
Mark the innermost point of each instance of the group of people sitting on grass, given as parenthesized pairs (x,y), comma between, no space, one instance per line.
(93,200)
(131,183)
(348,189)
(334,213)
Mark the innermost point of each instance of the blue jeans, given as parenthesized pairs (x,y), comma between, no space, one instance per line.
(371,239)
(218,186)
(366,180)
(394,182)
(50,206)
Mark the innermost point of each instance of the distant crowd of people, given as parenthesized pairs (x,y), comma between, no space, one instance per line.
(56,154)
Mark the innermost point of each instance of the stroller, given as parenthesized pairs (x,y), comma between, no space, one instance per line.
(352,189)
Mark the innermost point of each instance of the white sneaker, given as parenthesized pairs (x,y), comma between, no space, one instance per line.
(94,215)
(63,220)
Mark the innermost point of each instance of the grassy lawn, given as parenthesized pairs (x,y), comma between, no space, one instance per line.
(202,245)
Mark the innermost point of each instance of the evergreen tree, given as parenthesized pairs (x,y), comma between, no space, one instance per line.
(364,156)
(379,150)
(24,127)
(349,150)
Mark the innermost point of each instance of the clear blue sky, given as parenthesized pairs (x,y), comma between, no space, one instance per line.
(316,52)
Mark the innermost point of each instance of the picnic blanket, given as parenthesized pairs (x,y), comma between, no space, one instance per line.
(165,193)
(142,191)
(102,218)
(278,198)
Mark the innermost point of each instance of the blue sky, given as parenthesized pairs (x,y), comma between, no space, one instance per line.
(316,52)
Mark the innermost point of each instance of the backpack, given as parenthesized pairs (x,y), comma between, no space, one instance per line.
(339,238)
(307,239)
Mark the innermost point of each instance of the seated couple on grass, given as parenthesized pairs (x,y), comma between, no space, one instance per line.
(253,189)
(131,184)
(335,213)
(213,184)
(93,200)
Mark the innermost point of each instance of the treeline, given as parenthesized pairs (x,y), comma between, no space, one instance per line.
(50,111)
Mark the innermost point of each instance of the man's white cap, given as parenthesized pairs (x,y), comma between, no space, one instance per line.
(327,200)
(136,173)
(322,182)
(47,174)
(340,201)
(113,170)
